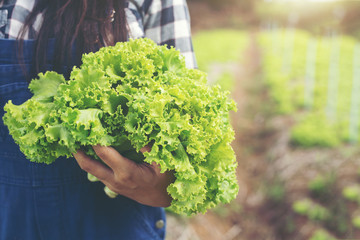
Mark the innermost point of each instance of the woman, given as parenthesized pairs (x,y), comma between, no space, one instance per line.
(57,201)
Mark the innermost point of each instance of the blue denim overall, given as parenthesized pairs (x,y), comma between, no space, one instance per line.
(56,201)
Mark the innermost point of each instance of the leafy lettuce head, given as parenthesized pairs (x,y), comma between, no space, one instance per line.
(128,96)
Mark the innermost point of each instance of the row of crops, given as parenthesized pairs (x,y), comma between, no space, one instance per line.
(317,76)
(316,81)
(329,208)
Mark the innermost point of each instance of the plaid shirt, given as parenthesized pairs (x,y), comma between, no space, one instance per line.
(163,21)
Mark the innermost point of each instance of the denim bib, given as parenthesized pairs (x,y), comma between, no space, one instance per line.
(56,201)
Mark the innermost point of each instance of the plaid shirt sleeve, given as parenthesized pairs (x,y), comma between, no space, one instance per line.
(165,22)
(12,17)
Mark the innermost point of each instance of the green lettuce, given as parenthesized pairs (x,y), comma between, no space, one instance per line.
(128,96)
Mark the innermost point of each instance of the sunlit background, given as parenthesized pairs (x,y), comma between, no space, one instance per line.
(293,67)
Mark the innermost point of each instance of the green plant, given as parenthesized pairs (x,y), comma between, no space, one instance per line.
(129,96)
(315,130)
(322,234)
(322,186)
(356,221)
(312,210)
(276,191)
(352,193)
(338,222)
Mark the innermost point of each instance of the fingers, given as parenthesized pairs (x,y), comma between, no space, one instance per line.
(114,159)
(147,148)
(156,167)
(93,167)
(141,182)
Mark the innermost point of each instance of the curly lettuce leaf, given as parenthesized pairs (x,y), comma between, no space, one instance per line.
(129,96)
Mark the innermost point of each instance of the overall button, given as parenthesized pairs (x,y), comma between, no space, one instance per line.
(160,224)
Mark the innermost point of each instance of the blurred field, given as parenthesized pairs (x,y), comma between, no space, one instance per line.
(297,86)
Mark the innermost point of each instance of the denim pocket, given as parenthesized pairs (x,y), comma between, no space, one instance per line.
(13,83)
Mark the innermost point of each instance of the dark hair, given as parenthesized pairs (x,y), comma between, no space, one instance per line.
(89,24)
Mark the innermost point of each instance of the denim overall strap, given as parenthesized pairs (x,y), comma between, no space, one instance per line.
(56,201)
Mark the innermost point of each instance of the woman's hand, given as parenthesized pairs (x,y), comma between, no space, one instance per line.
(141,182)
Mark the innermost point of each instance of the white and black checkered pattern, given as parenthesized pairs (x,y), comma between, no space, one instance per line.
(163,21)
